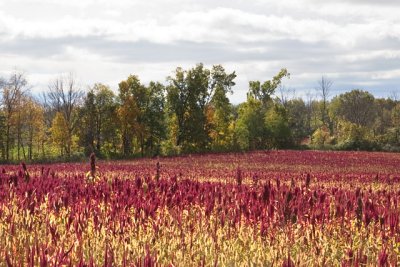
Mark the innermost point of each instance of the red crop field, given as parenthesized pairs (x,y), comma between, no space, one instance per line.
(266,208)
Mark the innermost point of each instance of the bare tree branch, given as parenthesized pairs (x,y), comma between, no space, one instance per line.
(394,95)
(324,89)
(64,96)
(285,94)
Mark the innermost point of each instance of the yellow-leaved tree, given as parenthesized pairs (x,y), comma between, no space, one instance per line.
(59,133)
(32,116)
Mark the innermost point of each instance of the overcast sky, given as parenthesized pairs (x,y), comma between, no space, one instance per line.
(355,43)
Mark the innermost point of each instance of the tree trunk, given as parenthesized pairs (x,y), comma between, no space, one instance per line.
(141,145)
(69,144)
(98,134)
(126,144)
(30,145)
(18,142)
(8,142)
(23,148)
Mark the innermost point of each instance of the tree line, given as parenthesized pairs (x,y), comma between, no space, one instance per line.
(190,113)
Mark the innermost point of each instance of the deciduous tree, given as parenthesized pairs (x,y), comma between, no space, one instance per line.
(64,97)
(13,91)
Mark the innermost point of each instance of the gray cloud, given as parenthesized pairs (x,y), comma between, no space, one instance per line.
(357,45)
(145,51)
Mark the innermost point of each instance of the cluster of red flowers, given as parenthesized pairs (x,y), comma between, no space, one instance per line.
(264,190)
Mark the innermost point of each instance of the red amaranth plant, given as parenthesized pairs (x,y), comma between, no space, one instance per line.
(308,180)
(383,258)
(131,198)
(93,165)
(239,177)
(288,262)
(157,177)
(26,173)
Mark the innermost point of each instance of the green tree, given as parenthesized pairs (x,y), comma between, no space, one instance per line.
(141,114)
(128,112)
(354,136)
(250,131)
(196,135)
(395,115)
(263,92)
(87,127)
(219,111)
(356,106)
(154,118)
(382,126)
(321,137)
(355,115)
(98,114)
(13,91)
(298,119)
(391,138)
(277,127)
(198,103)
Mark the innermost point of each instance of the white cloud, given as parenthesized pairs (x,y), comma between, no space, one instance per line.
(387,75)
(369,55)
(221,25)
(357,43)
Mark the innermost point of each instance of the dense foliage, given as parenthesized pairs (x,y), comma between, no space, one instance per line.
(190,113)
(281,208)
